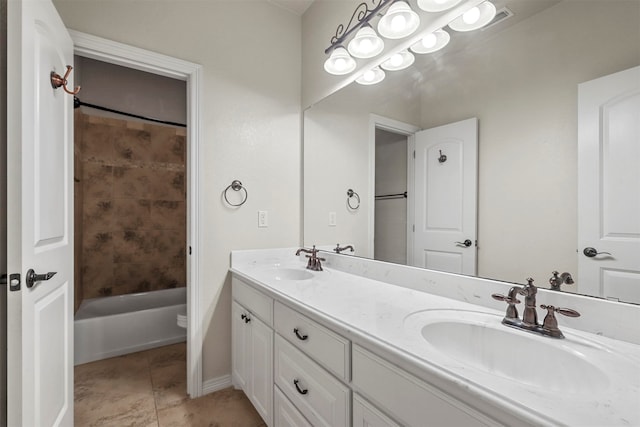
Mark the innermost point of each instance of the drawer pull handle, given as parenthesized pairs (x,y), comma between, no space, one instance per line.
(301,391)
(300,337)
(246,318)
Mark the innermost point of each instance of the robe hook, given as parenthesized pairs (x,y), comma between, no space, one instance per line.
(57,81)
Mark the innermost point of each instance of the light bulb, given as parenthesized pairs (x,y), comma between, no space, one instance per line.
(471,16)
(340,64)
(439,1)
(369,76)
(398,23)
(366,45)
(429,41)
(396,60)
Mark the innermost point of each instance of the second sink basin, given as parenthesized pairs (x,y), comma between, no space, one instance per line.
(479,341)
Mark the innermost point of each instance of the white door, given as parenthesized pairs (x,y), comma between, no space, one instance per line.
(446,171)
(40,223)
(609,186)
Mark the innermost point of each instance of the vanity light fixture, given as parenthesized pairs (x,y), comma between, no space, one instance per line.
(474,18)
(398,61)
(437,5)
(400,21)
(366,43)
(432,42)
(340,62)
(371,77)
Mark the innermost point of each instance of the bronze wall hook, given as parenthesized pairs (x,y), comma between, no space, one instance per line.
(57,81)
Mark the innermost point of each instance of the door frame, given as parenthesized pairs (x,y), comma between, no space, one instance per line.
(395,126)
(104,50)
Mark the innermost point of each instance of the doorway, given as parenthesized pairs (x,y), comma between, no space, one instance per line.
(130,192)
(88,46)
(390,236)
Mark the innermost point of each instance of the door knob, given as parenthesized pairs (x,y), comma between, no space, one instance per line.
(591,252)
(32,277)
(466,243)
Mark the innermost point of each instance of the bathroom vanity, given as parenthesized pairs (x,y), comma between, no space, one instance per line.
(369,343)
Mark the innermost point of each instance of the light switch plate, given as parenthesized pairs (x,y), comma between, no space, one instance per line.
(332,219)
(263,219)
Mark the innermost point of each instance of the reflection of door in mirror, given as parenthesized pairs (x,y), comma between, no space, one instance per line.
(609,186)
(446,197)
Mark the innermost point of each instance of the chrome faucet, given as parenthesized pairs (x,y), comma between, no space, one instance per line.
(338,249)
(314,262)
(529,321)
(559,279)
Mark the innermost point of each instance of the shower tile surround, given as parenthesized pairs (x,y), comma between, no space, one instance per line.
(132,206)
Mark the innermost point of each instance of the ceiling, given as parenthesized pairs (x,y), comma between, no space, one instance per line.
(296,6)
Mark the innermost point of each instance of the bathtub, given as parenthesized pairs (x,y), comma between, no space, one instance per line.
(113,326)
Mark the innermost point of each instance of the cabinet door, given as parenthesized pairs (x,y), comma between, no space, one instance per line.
(367,415)
(240,340)
(261,384)
(285,414)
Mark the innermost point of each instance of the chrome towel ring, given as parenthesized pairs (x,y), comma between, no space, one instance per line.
(351,194)
(235,186)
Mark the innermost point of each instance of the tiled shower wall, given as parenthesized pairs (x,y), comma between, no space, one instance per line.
(133,206)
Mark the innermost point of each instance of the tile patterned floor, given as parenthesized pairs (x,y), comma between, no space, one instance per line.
(148,389)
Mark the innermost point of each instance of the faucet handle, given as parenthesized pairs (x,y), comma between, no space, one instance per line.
(507,299)
(550,324)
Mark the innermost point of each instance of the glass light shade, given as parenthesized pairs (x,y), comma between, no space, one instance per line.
(474,18)
(366,43)
(399,21)
(399,61)
(432,42)
(340,62)
(437,5)
(371,77)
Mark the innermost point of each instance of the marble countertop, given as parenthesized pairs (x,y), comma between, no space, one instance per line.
(382,316)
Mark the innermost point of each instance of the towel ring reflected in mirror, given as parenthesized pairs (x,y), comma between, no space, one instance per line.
(352,194)
(235,186)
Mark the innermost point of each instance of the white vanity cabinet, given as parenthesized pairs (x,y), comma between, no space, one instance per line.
(252,347)
(298,372)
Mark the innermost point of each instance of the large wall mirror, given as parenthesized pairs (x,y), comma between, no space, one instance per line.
(520,79)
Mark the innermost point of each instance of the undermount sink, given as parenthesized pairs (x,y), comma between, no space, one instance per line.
(479,341)
(291,274)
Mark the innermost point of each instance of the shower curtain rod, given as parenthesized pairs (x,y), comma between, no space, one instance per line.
(77,104)
(392,196)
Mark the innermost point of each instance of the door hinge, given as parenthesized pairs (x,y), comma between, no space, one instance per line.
(14,282)
(414,228)
(414,154)
(189,250)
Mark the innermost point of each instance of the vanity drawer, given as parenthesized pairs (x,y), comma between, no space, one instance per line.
(256,302)
(285,414)
(323,345)
(320,397)
(408,398)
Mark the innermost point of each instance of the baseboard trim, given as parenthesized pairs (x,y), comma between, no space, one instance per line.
(215,384)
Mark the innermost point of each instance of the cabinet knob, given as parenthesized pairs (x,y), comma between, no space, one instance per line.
(246,318)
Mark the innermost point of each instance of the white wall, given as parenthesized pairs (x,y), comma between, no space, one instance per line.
(250,53)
